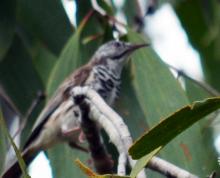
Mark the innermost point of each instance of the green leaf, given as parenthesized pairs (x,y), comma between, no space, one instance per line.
(20,80)
(141,163)
(3,148)
(173,125)
(17,152)
(95,26)
(159,94)
(130,110)
(207,126)
(194,91)
(18,75)
(7,25)
(44,62)
(61,157)
(201,21)
(91,174)
(129,107)
(83,7)
(68,60)
(47,21)
(130,12)
(11,117)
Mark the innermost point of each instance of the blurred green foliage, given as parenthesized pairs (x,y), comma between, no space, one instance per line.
(39,47)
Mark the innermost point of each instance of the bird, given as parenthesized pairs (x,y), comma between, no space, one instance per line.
(60,119)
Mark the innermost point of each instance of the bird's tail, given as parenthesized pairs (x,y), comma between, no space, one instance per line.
(14,171)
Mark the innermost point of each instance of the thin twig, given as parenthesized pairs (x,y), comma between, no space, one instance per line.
(139,17)
(111,19)
(40,96)
(205,86)
(98,8)
(8,102)
(212,175)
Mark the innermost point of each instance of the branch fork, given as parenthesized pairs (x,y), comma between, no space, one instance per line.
(112,123)
(119,135)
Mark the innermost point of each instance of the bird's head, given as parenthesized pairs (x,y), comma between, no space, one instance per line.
(114,54)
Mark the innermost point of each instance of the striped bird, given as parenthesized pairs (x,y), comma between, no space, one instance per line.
(60,119)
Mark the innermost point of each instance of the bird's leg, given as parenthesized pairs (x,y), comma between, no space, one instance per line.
(72,133)
(82,137)
(78,147)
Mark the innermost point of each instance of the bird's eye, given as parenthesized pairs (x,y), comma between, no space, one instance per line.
(117,44)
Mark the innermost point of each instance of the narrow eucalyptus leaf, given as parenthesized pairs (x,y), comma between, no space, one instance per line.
(17,152)
(173,125)
(142,162)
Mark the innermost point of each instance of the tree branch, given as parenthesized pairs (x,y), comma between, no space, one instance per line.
(168,169)
(120,135)
(102,160)
(112,123)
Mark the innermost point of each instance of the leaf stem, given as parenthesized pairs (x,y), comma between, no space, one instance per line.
(212,91)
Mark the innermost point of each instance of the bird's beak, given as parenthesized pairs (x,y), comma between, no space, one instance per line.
(134,47)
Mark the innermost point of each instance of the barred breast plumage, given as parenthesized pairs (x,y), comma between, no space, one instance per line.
(105,82)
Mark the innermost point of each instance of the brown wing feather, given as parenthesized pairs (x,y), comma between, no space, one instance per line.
(76,78)
(62,93)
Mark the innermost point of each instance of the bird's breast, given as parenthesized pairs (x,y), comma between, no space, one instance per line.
(105,83)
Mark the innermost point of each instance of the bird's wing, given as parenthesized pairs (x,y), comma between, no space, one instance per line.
(77,78)
(52,105)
